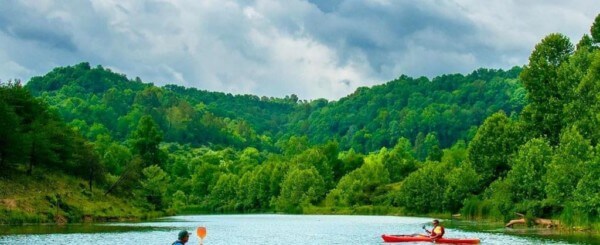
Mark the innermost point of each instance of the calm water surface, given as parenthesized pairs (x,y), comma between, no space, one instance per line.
(248,229)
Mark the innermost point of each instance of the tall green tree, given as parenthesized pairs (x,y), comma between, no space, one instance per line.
(491,148)
(564,171)
(595,29)
(540,77)
(223,195)
(526,177)
(399,161)
(583,111)
(423,190)
(203,177)
(461,183)
(12,137)
(585,197)
(154,183)
(116,157)
(578,93)
(40,144)
(87,162)
(359,187)
(350,160)
(300,187)
(146,139)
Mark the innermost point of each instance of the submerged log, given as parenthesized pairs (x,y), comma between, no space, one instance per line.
(538,221)
(515,221)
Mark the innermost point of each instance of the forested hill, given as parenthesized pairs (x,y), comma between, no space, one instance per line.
(445,109)
(99,101)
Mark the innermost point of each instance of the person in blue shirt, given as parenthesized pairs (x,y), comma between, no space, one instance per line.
(182,238)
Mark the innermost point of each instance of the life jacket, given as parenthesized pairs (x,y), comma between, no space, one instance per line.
(438,230)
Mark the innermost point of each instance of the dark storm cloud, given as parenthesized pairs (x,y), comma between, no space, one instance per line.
(276,48)
(326,6)
(21,23)
(385,32)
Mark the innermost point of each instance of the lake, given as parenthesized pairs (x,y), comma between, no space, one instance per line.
(250,229)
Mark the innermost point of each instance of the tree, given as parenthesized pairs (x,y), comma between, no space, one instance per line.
(489,151)
(223,195)
(129,178)
(585,197)
(574,88)
(35,133)
(88,164)
(116,157)
(11,140)
(204,177)
(146,139)
(315,158)
(248,190)
(461,183)
(595,29)
(564,171)
(294,145)
(96,130)
(178,118)
(423,190)
(149,98)
(350,160)
(40,144)
(154,184)
(332,164)
(586,42)
(300,188)
(399,161)
(359,186)
(526,177)
(248,159)
(540,77)
(583,111)
(179,200)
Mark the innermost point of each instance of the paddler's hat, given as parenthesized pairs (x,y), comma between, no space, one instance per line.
(183,234)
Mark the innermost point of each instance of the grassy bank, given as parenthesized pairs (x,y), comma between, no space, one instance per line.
(357,210)
(47,197)
(480,222)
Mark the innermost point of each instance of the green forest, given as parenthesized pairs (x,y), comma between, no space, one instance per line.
(85,143)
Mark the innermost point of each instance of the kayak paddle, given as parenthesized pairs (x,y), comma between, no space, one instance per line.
(201,232)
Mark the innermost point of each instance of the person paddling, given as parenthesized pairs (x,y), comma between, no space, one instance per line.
(182,238)
(437,231)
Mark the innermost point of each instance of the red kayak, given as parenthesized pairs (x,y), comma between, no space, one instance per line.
(409,238)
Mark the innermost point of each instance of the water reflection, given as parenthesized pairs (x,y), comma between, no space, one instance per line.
(257,229)
(73,228)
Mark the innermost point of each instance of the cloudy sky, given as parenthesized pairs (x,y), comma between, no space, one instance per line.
(314,49)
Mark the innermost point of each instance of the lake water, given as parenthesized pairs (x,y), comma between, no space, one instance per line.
(248,229)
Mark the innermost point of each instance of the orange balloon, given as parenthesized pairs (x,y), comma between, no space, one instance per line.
(201,232)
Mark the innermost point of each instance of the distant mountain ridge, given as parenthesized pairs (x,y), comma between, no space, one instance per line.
(448,107)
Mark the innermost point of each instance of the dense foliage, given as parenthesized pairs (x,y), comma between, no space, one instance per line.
(490,143)
(447,108)
(34,136)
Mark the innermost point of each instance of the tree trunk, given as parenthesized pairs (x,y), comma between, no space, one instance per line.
(91,180)
(538,221)
(32,158)
(121,178)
